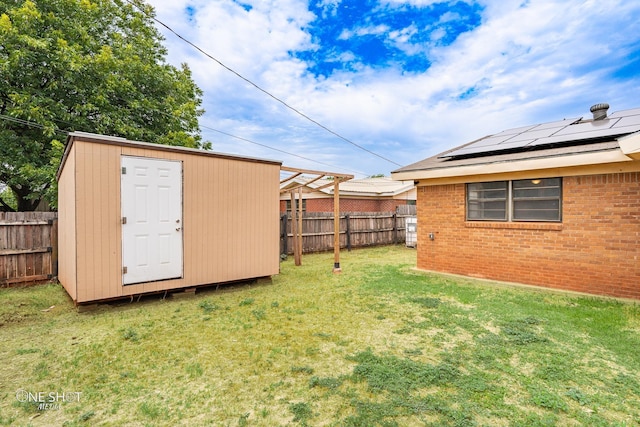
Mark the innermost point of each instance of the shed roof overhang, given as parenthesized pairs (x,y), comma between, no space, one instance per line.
(114,140)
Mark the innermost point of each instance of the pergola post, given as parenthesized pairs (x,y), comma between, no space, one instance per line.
(297,256)
(336,226)
(300,247)
(296,220)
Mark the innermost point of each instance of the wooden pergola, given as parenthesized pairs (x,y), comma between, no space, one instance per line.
(296,217)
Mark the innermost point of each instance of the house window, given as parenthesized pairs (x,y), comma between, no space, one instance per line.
(519,200)
(536,199)
(487,201)
(304,205)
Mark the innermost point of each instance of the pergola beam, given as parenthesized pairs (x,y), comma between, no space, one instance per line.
(304,184)
(291,177)
(315,172)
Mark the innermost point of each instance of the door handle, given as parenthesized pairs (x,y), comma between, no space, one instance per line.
(177,228)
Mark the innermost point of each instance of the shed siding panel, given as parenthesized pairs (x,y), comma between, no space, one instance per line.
(67,226)
(109,216)
(98,210)
(113,232)
(102,222)
(596,249)
(225,206)
(223,226)
(210,203)
(85,222)
(203,217)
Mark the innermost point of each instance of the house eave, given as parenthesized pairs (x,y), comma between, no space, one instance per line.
(541,163)
(630,145)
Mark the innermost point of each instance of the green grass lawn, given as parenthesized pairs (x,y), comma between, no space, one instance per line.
(378,345)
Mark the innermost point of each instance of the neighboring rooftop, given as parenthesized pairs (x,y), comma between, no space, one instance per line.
(371,187)
(593,139)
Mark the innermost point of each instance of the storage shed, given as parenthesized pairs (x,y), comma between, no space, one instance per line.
(136,218)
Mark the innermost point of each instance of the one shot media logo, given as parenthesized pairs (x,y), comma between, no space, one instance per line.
(47,400)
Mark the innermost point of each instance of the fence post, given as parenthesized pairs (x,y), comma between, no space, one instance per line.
(348,232)
(395,229)
(54,247)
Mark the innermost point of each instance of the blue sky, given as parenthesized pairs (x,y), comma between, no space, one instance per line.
(352,34)
(404,79)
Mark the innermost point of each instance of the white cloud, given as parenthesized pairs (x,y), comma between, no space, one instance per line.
(418,3)
(544,61)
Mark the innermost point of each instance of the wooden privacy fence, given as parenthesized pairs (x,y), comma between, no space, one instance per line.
(28,247)
(29,240)
(357,229)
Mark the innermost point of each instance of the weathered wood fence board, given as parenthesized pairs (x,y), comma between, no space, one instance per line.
(356,230)
(410,210)
(28,246)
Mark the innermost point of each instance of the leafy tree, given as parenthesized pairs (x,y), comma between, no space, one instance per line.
(84,65)
(7,200)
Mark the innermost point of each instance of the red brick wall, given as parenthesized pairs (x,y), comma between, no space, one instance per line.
(596,248)
(350,205)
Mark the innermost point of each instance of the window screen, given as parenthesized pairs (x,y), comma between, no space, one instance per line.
(487,201)
(536,199)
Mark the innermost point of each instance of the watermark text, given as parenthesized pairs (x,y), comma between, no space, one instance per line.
(47,400)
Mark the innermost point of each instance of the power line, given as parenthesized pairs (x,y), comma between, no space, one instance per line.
(295,110)
(279,150)
(40,126)
(63,132)
(253,142)
(30,123)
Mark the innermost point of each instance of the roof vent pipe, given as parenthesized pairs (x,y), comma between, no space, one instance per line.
(599,111)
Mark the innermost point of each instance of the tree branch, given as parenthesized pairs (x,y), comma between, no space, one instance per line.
(5,207)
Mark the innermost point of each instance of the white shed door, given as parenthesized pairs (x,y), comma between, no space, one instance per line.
(151,193)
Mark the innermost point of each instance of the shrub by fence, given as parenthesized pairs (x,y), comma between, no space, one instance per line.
(28,247)
(357,229)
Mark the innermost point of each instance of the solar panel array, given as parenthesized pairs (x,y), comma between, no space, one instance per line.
(567,131)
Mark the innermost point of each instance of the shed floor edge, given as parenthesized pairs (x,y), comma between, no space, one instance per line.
(168,292)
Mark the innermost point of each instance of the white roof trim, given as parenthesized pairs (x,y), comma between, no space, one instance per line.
(630,145)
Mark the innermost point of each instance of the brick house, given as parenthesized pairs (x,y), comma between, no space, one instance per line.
(554,204)
(381,194)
